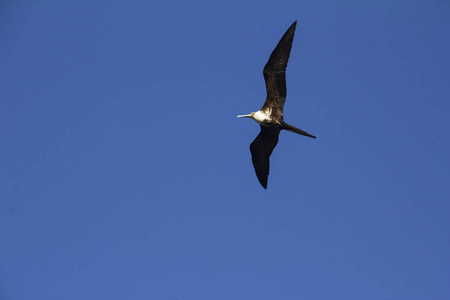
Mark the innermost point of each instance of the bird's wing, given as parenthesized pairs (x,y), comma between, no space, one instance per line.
(275,74)
(261,149)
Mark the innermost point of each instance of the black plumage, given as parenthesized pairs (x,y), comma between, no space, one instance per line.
(270,116)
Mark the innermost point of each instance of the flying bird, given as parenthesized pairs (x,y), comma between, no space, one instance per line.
(270,116)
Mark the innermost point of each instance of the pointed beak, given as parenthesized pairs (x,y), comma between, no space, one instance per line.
(244,116)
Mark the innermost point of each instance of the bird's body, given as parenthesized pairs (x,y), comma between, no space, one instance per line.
(270,116)
(262,117)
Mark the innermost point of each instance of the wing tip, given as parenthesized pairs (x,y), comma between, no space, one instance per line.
(262,178)
(294,24)
(264,185)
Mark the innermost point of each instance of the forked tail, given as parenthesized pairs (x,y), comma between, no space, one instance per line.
(297,130)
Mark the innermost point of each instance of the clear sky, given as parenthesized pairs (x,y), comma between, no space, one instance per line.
(125,174)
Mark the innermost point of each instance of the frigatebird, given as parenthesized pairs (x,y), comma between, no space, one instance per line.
(270,116)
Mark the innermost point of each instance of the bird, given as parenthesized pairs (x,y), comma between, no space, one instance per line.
(270,116)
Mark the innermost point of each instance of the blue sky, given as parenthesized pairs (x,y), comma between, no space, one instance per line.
(124,173)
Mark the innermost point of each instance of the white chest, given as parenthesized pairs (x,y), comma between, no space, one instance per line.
(261,117)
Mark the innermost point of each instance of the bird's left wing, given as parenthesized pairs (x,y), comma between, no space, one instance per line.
(275,73)
(261,149)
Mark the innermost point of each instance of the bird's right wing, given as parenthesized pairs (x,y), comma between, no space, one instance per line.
(261,149)
(275,73)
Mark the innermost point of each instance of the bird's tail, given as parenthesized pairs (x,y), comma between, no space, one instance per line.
(297,130)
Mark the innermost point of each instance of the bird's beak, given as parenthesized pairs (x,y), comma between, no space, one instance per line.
(245,116)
